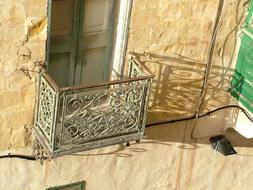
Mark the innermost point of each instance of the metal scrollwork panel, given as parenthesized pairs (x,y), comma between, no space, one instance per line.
(134,70)
(46,109)
(102,114)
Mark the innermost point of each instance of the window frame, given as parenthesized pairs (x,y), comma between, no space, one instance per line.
(121,39)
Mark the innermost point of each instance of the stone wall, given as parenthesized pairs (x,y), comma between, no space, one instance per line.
(179,33)
(169,158)
(180,30)
(22,43)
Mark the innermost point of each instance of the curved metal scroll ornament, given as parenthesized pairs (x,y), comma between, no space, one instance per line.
(101,114)
(73,119)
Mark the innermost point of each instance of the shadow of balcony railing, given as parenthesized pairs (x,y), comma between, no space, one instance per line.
(78,118)
(177,86)
(174,95)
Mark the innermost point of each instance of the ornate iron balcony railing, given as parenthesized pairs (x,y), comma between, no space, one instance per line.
(74,119)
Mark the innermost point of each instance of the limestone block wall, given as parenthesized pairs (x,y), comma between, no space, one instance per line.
(168,158)
(181,31)
(22,44)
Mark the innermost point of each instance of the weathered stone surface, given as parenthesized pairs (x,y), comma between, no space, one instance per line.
(5,138)
(1,120)
(22,43)
(24,53)
(182,31)
(20,137)
(20,119)
(9,99)
(28,96)
(169,158)
(37,27)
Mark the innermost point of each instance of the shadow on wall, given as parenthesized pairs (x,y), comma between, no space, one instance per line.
(170,135)
(180,132)
(177,87)
(175,93)
(177,135)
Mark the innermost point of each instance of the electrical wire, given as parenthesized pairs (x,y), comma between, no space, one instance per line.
(32,158)
(226,70)
(204,115)
(24,157)
(209,66)
(210,57)
(203,92)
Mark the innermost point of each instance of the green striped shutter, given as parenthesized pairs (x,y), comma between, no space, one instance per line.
(242,81)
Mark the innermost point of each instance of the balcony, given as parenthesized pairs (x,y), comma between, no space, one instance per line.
(79,118)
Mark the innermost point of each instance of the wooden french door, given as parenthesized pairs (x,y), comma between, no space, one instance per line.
(81,41)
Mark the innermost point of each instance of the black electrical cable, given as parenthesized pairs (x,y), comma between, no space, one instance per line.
(24,157)
(204,115)
(32,158)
